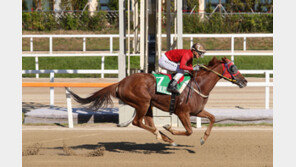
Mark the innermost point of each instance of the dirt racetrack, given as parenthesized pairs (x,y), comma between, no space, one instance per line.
(133,147)
(129,147)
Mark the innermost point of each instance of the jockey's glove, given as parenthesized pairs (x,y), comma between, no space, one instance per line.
(196,68)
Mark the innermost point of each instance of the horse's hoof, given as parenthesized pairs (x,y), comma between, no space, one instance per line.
(167,127)
(202,141)
(159,138)
(173,144)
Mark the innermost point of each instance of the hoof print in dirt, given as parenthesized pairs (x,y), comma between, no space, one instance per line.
(97,152)
(32,150)
(67,150)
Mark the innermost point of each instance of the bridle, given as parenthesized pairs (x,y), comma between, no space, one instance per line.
(231,69)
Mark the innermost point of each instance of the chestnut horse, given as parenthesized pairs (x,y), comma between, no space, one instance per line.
(139,91)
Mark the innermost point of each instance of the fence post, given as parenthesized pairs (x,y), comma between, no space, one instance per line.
(111,44)
(198,122)
(69,108)
(232,48)
(267,78)
(172,43)
(31,44)
(36,66)
(102,66)
(50,45)
(245,43)
(84,44)
(51,89)
(191,42)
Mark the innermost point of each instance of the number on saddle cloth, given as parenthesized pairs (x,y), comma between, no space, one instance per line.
(162,81)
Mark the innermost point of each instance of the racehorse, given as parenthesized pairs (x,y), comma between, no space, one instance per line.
(139,91)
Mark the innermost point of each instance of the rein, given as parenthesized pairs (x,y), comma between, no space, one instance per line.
(196,91)
(228,79)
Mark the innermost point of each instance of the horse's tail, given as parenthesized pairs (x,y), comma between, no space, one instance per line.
(98,99)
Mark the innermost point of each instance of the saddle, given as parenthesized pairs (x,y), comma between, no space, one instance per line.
(162,81)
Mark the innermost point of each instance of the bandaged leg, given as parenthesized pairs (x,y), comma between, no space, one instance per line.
(173,84)
(179,74)
(157,134)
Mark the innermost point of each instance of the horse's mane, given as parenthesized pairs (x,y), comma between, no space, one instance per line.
(213,62)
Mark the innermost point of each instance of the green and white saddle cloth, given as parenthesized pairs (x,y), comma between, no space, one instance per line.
(162,82)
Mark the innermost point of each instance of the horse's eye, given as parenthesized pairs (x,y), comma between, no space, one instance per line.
(233,69)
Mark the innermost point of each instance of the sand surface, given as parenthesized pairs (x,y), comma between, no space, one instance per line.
(128,147)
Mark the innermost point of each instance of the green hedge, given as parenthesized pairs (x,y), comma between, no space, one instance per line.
(243,23)
(46,21)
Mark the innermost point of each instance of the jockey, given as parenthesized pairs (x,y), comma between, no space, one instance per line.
(170,59)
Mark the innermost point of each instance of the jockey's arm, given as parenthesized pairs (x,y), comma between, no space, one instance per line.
(183,64)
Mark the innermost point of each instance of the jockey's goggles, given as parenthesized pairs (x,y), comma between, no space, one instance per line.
(201,53)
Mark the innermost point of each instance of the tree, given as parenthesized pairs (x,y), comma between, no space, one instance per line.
(113,4)
(78,4)
(192,3)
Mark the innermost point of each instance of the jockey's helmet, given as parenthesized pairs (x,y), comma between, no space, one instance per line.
(199,48)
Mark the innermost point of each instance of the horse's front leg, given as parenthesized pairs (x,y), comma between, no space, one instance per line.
(185,119)
(205,114)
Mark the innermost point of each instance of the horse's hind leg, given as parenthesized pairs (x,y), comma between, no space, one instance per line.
(185,119)
(148,118)
(141,111)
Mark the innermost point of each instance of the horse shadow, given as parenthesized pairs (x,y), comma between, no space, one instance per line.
(132,147)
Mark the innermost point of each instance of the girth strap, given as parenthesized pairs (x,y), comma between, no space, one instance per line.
(172,104)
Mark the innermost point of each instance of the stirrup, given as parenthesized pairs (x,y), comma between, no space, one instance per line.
(172,87)
(174,90)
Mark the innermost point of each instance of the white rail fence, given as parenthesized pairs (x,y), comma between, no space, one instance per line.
(267,84)
(231,52)
(111,36)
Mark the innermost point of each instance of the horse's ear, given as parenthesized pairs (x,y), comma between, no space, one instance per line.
(224,59)
(213,61)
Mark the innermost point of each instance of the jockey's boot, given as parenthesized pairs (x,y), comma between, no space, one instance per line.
(172,87)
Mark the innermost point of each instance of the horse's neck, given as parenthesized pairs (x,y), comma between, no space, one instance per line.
(210,79)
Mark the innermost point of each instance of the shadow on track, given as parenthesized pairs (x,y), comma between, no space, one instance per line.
(132,147)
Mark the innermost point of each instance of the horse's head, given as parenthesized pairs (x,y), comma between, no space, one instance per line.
(231,71)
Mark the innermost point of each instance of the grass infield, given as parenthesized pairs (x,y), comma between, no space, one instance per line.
(28,63)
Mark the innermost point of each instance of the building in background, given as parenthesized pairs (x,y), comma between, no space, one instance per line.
(41,5)
(104,5)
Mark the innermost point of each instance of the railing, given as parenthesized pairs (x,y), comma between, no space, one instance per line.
(111,36)
(50,37)
(231,52)
(267,84)
(68,97)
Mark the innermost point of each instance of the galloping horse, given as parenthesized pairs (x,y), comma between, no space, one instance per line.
(139,91)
